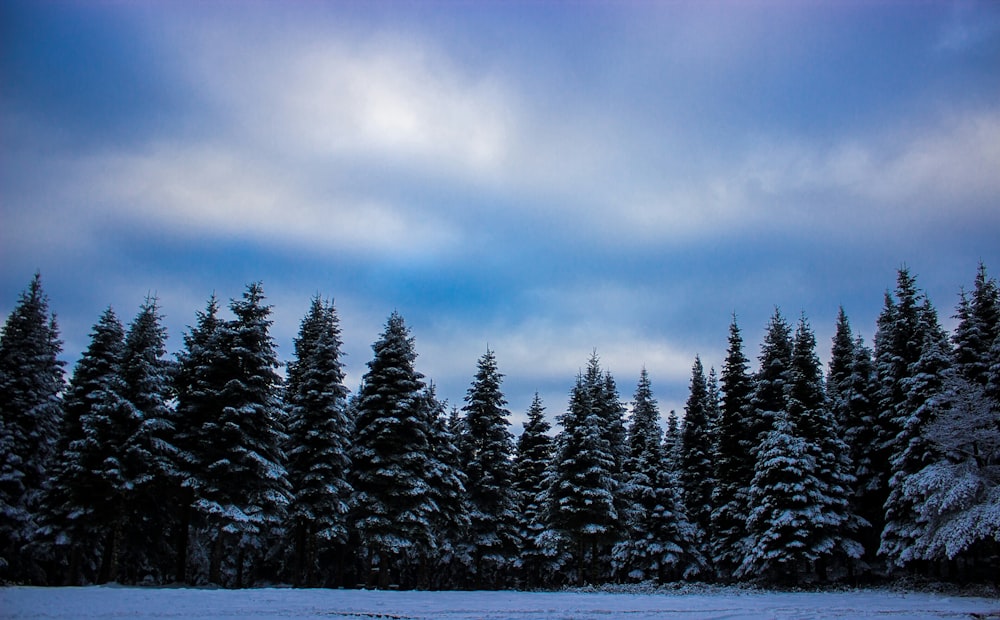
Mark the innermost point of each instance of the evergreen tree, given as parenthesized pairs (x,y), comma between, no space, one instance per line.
(75,522)
(769,395)
(696,467)
(490,478)
(733,462)
(319,436)
(452,558)
(832,533)
(912,450)
(199,381)
(672,446)
(661,542)
(850,390)
(978,327)
(31,382)
(244,489)
(532,456)
(149,461)
(582,506)
(391,506)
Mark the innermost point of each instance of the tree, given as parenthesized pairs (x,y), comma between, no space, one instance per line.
(75,520)
(831,536)
(490,477)
(584,488)
(912,449)
(850,391)
(533,454)
(319,437)
(148,457)
(244,490)
(769,395)
(661,542)
(696,467)
(733,460)
(391,508)
(978,327)
(31,382)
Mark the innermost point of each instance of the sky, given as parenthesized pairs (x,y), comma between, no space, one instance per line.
(543,179)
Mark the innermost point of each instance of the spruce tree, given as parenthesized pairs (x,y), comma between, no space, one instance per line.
(912,449)
(584,489)
(244,489)
(76,517)
(533,454)
(490,477)
(391,507)
(661,543)
(978,327)
(696,467)
(769,395)
(850,391)
(319,436)
(31,383)
(149,459)
(733,461)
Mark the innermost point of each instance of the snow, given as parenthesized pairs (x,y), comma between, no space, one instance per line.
(268,603)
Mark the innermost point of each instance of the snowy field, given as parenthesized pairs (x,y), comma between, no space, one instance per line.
(268,603)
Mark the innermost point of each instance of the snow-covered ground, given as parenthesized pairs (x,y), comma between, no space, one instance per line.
(267,603)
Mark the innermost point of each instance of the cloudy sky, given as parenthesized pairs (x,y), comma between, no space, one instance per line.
(543,178)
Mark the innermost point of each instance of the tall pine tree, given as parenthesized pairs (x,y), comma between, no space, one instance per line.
(31,383)
(696,467)
(533,454)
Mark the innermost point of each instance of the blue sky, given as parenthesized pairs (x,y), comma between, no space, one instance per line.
(543,178)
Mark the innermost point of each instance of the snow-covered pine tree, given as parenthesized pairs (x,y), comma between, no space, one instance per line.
(492,503)
(149,460)
(661,543)
(978,327)
(391,507)
(74,523)
(200,378)
(672,446)
(769,394)
(696,467)
(897,348)
(532,456)
(31,383)
(832,534)
(783,499)
(912,450)
(850,391)
(451,561)
(583,489)
(244,488)
(319,436)
(733,462)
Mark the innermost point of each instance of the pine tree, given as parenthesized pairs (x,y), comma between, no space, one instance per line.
(490,478)
(31,382)
(832,533)
(733,462)
(319,436)
(533,454)
(769,395)
(149,461)
(75,521)
(244,490)
(452,560)
(978,328)
(582,506)
(391,505)
(912,449)
(696,467)
(199,381)
(850,390)
(661,541)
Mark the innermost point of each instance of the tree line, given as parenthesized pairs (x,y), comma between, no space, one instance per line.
(208,467)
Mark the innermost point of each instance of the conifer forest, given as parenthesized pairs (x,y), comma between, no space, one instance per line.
(209,466)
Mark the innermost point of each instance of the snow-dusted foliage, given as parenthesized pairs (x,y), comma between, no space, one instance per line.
(695,466)
(31,383)
(492,502)
(392,508)
(533,453)
(319,436)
